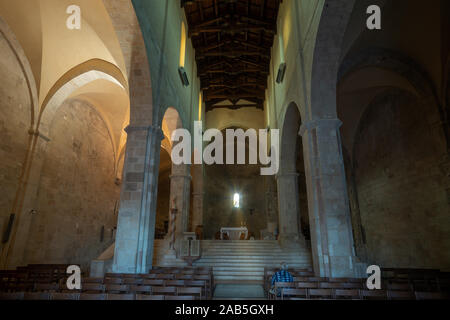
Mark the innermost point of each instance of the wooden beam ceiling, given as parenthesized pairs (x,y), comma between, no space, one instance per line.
(232,41)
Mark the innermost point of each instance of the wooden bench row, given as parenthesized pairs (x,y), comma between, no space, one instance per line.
(355,294)
(90,296)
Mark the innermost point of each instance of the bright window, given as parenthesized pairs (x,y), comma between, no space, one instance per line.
(236,200)
(183,44)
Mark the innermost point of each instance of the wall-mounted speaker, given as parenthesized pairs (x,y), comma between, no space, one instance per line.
(281,72)
(183,76)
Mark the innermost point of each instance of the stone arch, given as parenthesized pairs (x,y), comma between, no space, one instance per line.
(389,60)
(70,88)
(182,121)
(125,22)
(287,178)
(400,64)
(393,136)
(289,135)
(327,53)
(25,65)
(107,69)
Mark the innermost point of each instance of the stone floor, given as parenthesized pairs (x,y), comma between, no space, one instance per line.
(239,292)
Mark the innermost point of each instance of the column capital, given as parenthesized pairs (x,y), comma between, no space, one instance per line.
(151,129)
(333,124)
(286,175)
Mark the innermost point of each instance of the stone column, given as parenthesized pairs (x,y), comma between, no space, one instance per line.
(329,213)
(289,208)
(180,188)
(137,213)
(197,199)
(271,203)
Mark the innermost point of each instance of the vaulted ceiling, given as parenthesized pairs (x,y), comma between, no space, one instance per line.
(232,41)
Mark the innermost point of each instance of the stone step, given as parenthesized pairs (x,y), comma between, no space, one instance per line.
(265,259)
(239,261)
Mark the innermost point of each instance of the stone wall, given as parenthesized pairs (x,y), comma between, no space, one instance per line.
(401,189)
(15,121)
(77,193)
(162,210)
(221,182)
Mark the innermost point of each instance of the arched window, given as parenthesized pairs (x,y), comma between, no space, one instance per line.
(236,200)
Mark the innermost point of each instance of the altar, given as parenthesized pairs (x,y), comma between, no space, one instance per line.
(233,233)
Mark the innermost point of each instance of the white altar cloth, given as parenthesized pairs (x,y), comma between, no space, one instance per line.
(234,233)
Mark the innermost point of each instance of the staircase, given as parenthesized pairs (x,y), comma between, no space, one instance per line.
(244,261)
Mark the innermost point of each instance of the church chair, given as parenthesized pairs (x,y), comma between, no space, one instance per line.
(279,285)
(321,294)
(21,286)
(165,276)
(92,280)
(158,271)
(373,294)
(291,293)
(197,283)
(190,291)
(205,277)
(164,290)
(92,288)
(182,276)
(339,285)
(64,296)
(192,272)
(180,298)
(113,281)
(317,279)
(147,276)
(133,281)
(424,285)
(92,296)
(36,296)
(431,296)
(140,289)
(129,276)
(208,281)
(401,295)
(399,287)
(110,275)
(174,283)
(117,288)
(117,297)
(351,285)
(347,294)
(200,272)
(149,297)
(46,287)
(299,279)
(153,282)
(339,280)
(307,285)
(12,295)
